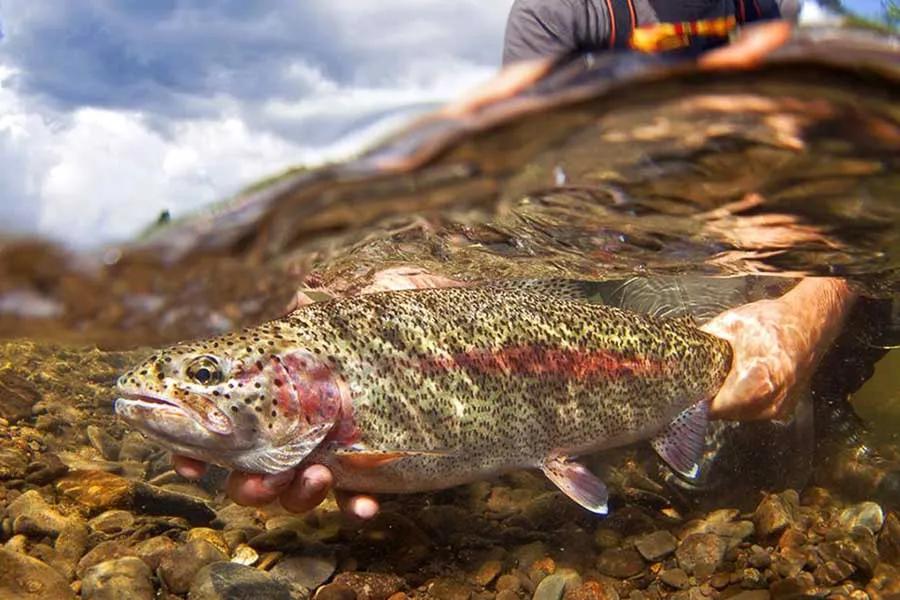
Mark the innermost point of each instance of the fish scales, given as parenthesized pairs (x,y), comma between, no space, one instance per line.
(425,389)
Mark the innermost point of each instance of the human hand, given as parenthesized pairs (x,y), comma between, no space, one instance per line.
(298,490)
(777,345)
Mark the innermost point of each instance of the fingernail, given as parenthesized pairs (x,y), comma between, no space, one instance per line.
(278,480)
(365,508)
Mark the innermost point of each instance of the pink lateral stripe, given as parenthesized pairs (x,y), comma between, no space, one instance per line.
(541,361)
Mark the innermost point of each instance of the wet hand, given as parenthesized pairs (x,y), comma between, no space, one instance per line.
(299,490)
(777,345)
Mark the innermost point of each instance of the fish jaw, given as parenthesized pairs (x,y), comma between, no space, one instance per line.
(195,422)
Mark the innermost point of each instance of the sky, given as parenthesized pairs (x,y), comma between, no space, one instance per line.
(113,111)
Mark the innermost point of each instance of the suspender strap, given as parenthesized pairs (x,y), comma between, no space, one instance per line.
(748,11)
(622,21)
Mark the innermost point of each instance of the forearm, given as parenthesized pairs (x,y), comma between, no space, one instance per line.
(822,304)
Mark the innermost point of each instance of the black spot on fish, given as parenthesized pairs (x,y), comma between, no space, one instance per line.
(278,383)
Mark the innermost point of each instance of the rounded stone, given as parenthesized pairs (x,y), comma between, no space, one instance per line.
(112,521)
(118,579)
(701,551)
(25,578)
(335,591)
(864,514)
(371,586)
(620,562)
(308,571)
(231,581)
(178,568)
(34,517)
(657,545)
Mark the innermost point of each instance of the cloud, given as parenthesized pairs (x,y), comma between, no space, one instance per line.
(113,110)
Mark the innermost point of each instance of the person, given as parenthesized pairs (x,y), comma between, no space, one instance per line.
(777,343)
(537,28)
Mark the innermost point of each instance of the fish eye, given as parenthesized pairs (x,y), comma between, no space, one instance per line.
(205,370)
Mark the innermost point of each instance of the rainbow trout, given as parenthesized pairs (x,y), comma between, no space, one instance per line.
(420,390)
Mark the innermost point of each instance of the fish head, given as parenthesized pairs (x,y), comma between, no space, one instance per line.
(233,404)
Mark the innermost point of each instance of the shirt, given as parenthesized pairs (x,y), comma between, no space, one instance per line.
(542,28)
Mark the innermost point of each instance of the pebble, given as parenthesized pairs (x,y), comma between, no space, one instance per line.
(32,516)
(508,582)
(676,578)
(13,464)
(25,578)
(105,444)
(112,521)
(507,595)
(209,535)
(153,549)
(857,548)
(487,572)
(307,571)
(620,562)
(231,581)
(17,396)
(118,579)
(554,586)
(245,555)
(591,590)
(776,512)
(335,591)
(446,588)
(657,545)
(889,540)
(178,568)
(72,541)
(607,538)
(759,558)
(865,514)
(371,586)
(527,554)
(103,552)
(701,551)
(832,572)
(752,595)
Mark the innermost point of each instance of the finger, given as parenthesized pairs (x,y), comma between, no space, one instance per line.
(359,506)
(189,468)
(254,489)
(308,489)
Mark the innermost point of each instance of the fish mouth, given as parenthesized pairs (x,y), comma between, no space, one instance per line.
(141,406)
(147,402)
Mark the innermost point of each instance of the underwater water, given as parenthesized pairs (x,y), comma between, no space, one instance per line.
(674,192)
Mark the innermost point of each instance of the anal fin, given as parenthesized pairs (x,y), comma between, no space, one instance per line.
(576,482)
(683,440)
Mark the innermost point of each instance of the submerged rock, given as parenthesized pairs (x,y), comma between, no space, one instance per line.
(776,513)
(178,568)
(701,552)
(231,581)
(25,578)
(656,545)
(118,579)
(307,571)
(33,516)
(370,586)
(621,562)
(17,396)
(864,514)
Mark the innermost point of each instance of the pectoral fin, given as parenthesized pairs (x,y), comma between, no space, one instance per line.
(365,458)
(682,442)
(577,483)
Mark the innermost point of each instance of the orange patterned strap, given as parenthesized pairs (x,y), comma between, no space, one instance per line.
(661,37)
